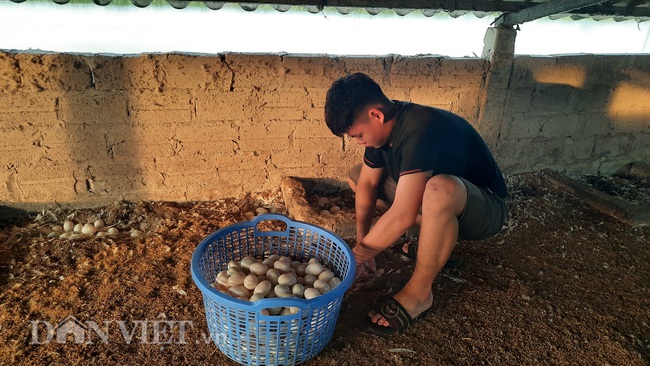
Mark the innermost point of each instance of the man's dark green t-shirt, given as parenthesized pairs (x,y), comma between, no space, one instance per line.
(431,139)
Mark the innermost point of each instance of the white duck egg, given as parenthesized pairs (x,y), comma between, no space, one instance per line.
(250,281)
(334,282)
(98,224)
(113,231)
(300,270)
(314,269)
(298,290)
(240,291)
(268,262)
(233,270)
(272,275)
(258,269)
(256,297)
(263,288)
(246,262)
(311,292)
(321,286)
(282,266)
(288,279)
(68,226)
(89,229)
(77,228)
(309,280)
(326,275)
(281,290)
(236,279)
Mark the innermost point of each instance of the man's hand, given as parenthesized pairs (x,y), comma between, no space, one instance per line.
(366,269)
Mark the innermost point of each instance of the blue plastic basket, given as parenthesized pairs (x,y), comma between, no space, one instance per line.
(237,327)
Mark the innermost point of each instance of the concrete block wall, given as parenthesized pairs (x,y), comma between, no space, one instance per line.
(94,129)
(580,114)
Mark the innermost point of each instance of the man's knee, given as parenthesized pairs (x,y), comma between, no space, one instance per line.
(445,192)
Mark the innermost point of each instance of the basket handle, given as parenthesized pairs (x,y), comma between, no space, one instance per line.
(271,217)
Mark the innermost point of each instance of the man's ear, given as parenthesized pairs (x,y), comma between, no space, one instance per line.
(376,114)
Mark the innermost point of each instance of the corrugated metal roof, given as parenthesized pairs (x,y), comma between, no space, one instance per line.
(618,10)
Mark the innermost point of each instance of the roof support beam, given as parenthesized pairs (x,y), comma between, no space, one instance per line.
(542,10)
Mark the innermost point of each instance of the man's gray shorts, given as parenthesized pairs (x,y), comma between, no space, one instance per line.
(483,216)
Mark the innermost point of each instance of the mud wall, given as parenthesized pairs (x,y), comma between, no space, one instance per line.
(581,114)
(95,129)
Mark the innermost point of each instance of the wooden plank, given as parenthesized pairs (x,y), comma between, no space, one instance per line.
(543,10)
(632,215)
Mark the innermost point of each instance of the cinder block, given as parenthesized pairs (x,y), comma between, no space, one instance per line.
(300,159)
(371,66)
(50,189)
(22,101)
(155,99)
(466,67)
(125,73)
(524,69)
(594,123)
(230,106)
(334,158)
(312,172)
(577,149)
(558,125)
(593,99)
(551,98)
(240,162)
(247,144)
(431,95)
(144,151)
(194,72)
(45,119)
(206,131)
(420,66)
(285,98)
(521,126)
(264,130)
(317,144)
(9,73)
(207,149)
(55,72)
(97,108)
(274,113)
(160,116)
(607,147)
(315,115)
(313,129)
(255,71)
(184,166)
(451,81)
(308,65)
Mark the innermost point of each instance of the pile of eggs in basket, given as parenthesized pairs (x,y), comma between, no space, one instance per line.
(253,279)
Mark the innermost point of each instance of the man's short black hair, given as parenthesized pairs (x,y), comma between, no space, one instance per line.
(347,97)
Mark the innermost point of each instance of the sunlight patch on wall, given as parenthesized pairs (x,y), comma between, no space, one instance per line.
(572,75)
(629,102)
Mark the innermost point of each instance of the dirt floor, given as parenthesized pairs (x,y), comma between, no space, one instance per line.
(562,284)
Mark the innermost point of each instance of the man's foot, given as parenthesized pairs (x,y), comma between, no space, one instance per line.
(394,314)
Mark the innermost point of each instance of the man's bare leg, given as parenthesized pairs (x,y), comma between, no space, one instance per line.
(380,203)
(444,200)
